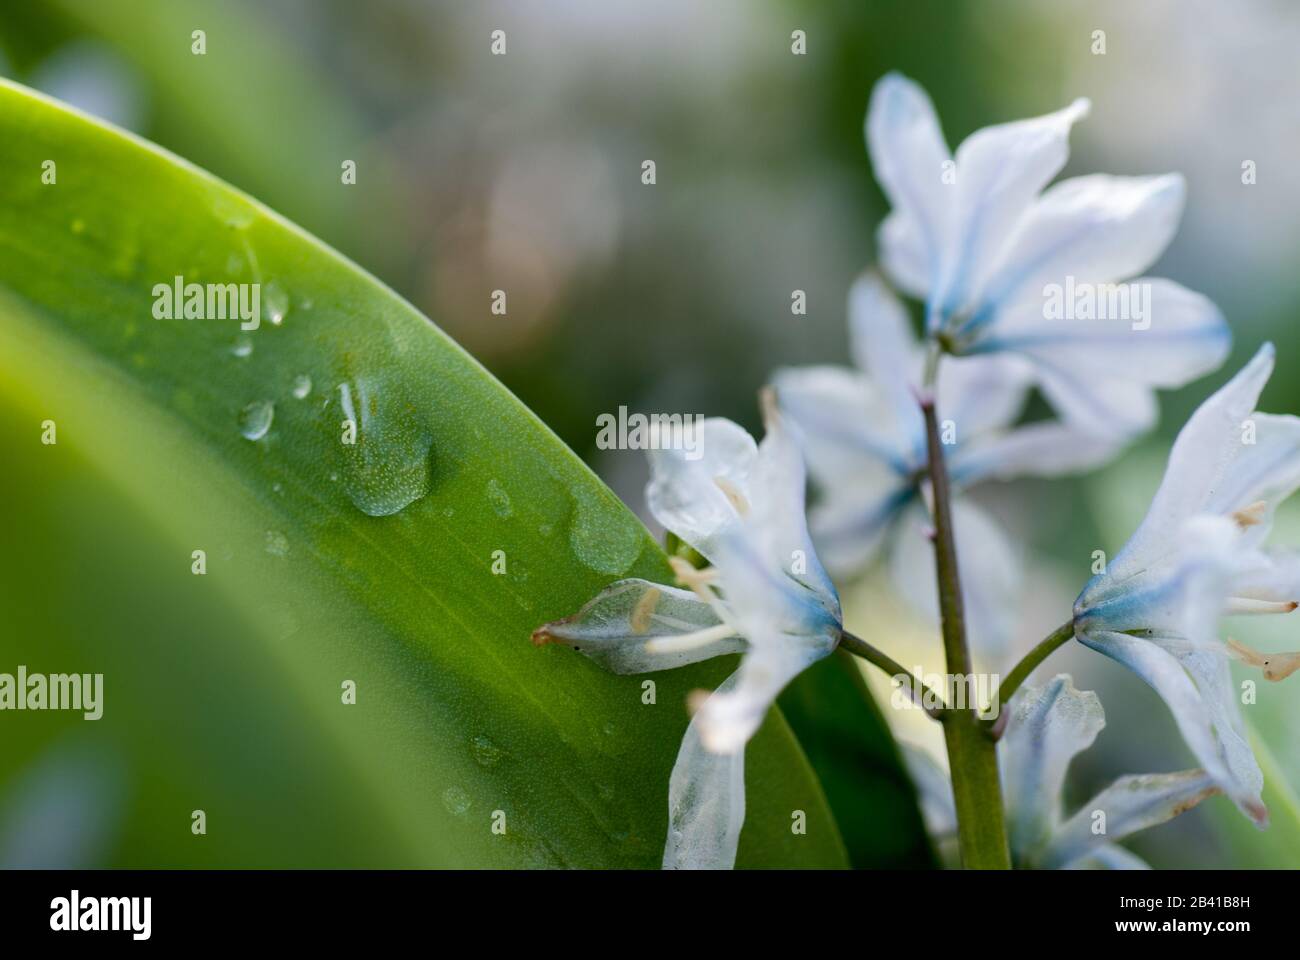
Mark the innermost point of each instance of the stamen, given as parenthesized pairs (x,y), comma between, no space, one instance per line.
(733,495)
(1237,605)
(683,642)
(695,580)
(1275,666)
(1245,654)
(1279,666)
(695,699)
(768,404)
(1251,514)
(644,610)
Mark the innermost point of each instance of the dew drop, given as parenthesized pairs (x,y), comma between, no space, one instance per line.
(486,753)
(499,499)
(386,468)
(277,544)
(242,347)
(255,419)
(231,209)
(301,386)
(275,302)
(456,801)
(606,541)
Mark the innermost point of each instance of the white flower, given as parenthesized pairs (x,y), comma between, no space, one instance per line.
(1048,726)
(978,238)
(864,438)
(765,594)
(1196,557)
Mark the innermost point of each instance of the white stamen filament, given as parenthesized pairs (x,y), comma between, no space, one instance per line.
(1240,605)
(733,495)
(689,641)
(696,580)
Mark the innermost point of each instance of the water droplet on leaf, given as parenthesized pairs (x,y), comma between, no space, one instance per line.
(277,544)
(603,540)
(486,753)
(386,468)
(255,419)
(456,800)
(275,302)
(499,499)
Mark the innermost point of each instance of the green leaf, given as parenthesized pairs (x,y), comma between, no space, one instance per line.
(325,562)
(851,748)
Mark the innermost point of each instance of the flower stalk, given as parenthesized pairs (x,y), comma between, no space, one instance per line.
(972,753)
(1021,671)
(923,694)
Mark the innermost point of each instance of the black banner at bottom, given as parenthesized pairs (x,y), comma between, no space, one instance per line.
(333,908)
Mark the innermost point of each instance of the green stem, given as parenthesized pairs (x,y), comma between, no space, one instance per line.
(860,648)
(972,753)
(1018,674)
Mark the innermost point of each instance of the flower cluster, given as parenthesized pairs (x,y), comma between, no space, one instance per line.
(998,259)
(1047,728)
(764,594)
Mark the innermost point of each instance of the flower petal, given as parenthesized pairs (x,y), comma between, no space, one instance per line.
(908,155)
(1194,715)
(1203,456)
(1210,671)
(706,802)
(1180,593)
(904,255)
(1100,373)
(1047,727)
(836,412)
(630,625)
(1110,856)
(1130,804)
(1265,470)
(1000,170)
(984,393)
(684,494)
(1095,229)
(771,579)
(990,575)
(777,523)
(883,346)
(1042,449)
(859,475)
(728,718)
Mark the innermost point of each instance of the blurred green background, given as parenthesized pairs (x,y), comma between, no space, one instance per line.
(522,173)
